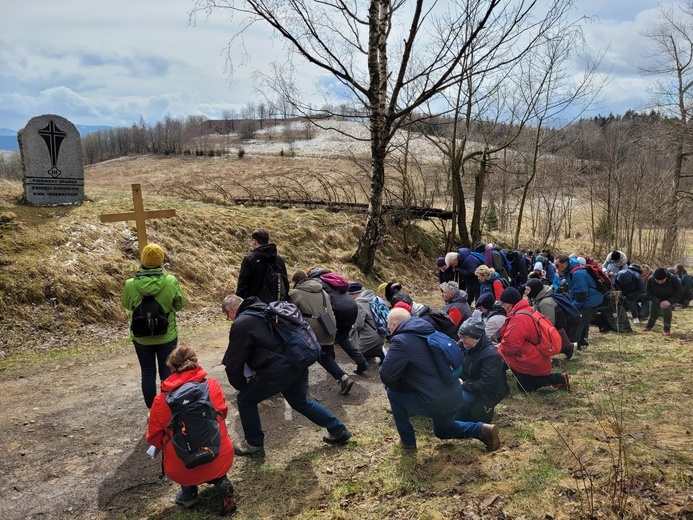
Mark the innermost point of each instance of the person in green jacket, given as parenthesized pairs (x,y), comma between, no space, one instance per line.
(153,281)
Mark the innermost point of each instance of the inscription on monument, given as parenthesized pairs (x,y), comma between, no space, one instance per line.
(51,152)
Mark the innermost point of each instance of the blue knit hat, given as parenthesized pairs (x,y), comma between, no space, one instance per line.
(355,288)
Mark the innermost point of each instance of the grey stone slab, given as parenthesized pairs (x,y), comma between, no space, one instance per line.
(51,152)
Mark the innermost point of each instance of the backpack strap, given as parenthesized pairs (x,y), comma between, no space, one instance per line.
(536,325)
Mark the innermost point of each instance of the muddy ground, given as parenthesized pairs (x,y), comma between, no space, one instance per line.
(73,434)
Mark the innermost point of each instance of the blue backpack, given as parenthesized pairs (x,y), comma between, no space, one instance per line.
(301,347)
(380,312)
(572,315)
(447,356)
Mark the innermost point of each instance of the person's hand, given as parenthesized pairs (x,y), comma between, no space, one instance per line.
(665,304)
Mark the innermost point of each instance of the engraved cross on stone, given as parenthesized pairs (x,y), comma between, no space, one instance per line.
(139,216)
(54,137)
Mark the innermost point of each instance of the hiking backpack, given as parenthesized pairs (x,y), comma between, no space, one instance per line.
(549,341)
(301,347)
(338,282)
(196,434)
(441,321)
(602,279)
(148,318)
(447,355)
(572,315)
(380,312)
(275,286)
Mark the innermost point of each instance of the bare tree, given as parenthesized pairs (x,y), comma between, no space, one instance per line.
(359,42)
(671,58)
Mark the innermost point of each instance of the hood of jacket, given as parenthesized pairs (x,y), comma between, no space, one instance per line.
(545,292)
(414,325)
(266,253)
(460,297)
(310,285)
(150,281)
(177,379)
(366,296)
(252,303)
(315,272)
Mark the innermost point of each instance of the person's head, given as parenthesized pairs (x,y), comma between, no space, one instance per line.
(483,272)
(230,306)
(485,302)
(533,287)
(442,266)
(354,289)
(259,237)
(561,262)
(152,256)
(397,315)
(509,298)
(298,276)
(679,269)
(661,275)
(538,267)
(451,259)
(470,332)
(382,288)
(182,358)
(646,270)
(450,290)
(615,256)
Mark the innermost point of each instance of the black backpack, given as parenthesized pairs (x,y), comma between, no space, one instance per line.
(275,286)
(196,433)
(441,321)
(148,318)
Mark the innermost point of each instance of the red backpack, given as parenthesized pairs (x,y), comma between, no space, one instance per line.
(338,282)
(600,278)
(549,340)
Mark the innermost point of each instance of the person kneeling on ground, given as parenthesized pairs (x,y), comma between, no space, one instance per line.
(518,347)
(414,386)
(484,384)
(185,370)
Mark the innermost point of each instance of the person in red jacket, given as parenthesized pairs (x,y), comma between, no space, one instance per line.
(184,368)
(531,368)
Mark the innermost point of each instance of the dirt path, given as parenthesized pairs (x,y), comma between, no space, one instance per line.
(73,436)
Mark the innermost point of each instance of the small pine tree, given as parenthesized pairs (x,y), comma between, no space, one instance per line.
(241,153)
(491,217)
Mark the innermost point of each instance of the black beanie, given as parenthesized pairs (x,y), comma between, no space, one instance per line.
(510,295)
(486,301)
(660,273)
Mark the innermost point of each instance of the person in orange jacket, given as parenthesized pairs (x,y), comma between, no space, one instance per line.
(185,369)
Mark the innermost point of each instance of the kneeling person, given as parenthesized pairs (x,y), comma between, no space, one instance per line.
(414,386)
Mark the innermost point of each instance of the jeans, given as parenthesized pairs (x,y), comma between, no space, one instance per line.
(529,383)
(328,362)
(405,403)
(148,356)
(475,407)
(294,392)
(348,346)
(655,312)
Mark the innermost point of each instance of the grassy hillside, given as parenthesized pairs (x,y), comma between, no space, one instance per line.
(62,270)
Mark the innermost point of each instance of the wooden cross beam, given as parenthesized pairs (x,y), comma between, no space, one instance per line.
(139,216)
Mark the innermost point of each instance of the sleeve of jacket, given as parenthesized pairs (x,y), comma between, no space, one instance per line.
(678,291)
(178,298)
(394,366)
(497,289)
(491,368)
(216,395)
(159,417)
(237,354)
(650,292)
(360,318)
(126,297)
(511,342)
(579,288)
(245,277)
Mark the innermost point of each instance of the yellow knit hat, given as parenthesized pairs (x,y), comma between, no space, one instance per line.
(381,288)
(152,256)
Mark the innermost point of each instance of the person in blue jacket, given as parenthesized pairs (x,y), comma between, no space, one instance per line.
(583,293)
(414,386)
(465,263)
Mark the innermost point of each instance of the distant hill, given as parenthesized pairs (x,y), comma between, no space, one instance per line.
(8,138)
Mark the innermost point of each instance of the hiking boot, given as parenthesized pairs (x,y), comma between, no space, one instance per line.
(566,383)
(243,449)
(489,436)
(361,369)
(405,447)
(666,333)
(338,439)
(226,498)
(570,351)
(646,329)
(345,385)
(187,496)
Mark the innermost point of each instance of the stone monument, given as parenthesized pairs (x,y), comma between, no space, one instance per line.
(51,152)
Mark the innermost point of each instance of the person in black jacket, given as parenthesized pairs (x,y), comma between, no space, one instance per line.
(257,368)
(484,383)
(414,387)
(253,272)
(518,268)
(664,290)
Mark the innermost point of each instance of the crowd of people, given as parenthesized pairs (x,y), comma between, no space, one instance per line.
(495,304)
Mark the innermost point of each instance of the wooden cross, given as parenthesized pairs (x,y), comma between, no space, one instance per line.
(139,216)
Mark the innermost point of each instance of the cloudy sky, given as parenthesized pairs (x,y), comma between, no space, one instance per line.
(111,63)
